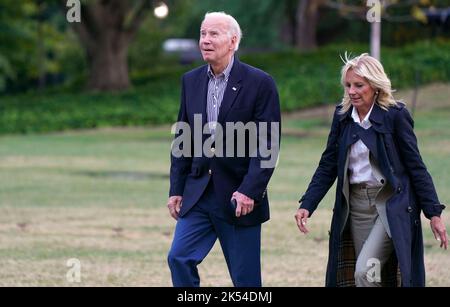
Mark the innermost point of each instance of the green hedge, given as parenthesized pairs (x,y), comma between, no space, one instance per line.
(314,78)
(303,79)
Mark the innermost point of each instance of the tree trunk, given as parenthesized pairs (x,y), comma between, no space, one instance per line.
(42,57)
(289,23)
(108,66)
(106,30)
(307,18)
(287,33)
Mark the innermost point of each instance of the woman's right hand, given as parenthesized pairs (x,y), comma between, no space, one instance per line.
(301,217)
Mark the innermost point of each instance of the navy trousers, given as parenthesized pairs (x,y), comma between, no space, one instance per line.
(195,235)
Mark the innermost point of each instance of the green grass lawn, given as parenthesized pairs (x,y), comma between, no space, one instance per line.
(100,196)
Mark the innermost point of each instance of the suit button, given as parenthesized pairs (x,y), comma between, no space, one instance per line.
(399,190)
(354,136)
(210,172)
(409,209)
(382,181)
(417,222)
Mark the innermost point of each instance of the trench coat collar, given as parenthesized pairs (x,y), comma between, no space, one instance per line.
(376,118)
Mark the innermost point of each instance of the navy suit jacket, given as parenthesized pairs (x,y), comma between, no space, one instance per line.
(250,96)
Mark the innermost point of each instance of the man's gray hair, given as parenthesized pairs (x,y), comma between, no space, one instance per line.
(234,28)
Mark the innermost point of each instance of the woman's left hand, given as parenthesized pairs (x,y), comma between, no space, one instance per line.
(438,228)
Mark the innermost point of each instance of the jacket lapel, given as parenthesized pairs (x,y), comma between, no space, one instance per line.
(233,88)
(199,105)
(369,138)
(377,119)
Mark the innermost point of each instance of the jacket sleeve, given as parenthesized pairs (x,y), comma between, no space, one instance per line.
(421,180)
(326,172)
(261,168)
(180,165)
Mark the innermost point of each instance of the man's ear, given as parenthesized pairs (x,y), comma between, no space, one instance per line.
(233,42)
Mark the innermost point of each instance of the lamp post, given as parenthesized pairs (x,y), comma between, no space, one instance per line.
(374,17)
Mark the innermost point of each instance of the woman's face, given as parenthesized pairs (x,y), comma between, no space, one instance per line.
(359,90)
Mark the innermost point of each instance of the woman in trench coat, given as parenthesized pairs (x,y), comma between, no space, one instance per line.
(382,188)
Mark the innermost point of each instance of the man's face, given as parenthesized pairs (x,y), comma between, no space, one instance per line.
(215,42)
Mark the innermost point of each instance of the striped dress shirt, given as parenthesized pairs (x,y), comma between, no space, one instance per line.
(216,89)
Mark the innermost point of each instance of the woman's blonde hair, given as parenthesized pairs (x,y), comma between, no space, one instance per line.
(372,71)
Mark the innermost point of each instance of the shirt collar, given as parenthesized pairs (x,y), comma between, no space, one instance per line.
(225,73)
(355,116)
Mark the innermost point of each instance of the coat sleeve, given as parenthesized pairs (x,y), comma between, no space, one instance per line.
(421,180)
(179,166)
(326,172)
(261,167)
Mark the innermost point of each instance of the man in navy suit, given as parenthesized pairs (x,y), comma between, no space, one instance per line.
(220,172)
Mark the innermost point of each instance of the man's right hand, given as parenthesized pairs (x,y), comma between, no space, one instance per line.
(174,205)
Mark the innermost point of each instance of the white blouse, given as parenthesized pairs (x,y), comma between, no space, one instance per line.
(359,166)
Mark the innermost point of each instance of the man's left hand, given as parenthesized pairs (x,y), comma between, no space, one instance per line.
(245,204)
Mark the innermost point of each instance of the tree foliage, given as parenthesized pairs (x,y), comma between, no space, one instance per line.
(39,48)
